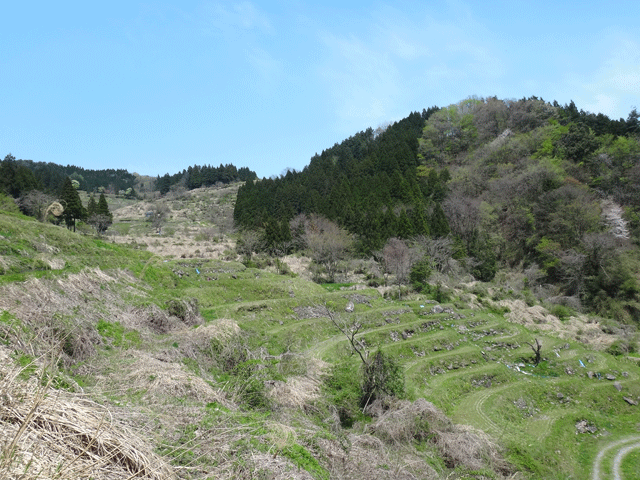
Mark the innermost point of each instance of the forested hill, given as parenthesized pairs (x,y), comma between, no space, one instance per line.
(18,177)
(509,182)
(370,183)
(51,176)
(204,176)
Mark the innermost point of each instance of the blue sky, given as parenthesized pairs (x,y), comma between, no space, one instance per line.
(154,87)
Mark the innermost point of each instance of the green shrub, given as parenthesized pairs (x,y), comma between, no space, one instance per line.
(561,311)
(420,272)
(437,292)
(177,308)
(622,347)
(115,332)
(381,375)
(342,388)
(302,458)
(8,205)
(249,379)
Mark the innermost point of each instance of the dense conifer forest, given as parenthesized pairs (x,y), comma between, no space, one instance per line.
(204,176)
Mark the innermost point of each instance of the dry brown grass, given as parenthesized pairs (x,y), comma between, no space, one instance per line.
(366,456)
(51,434)
(301,390)
(579,327)
(459,445)
(65,311)
(160,381)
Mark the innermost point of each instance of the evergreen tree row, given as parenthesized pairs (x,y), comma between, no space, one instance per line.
(205,176)
(51,176)
(96,214)
(370,183)
(16,179)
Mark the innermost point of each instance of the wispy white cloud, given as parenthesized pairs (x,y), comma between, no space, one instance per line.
(239,16)
(248,35)
(373,72)
(612,85)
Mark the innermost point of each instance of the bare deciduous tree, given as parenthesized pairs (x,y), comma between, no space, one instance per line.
(100,222)
(398,259)
(249,243)
(381,375)
(159,214)
(349,330)
(463,215)
(536,350)
(35,203)
(439,251)
(490,118)
(572,263)
(327,243)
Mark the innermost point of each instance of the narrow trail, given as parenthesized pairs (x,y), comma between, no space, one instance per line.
(475,403)
(617,461)
(623,447)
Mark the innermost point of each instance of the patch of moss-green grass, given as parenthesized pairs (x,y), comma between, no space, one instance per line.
(630,464)
(335,287)
(181,452)
(27,364)
(117,335)
(11,326)
(303,459)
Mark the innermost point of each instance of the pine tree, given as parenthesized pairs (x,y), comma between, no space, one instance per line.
(73,209)
(98,214)
(404,226)
(92,207)
(103,207)
(419,220)
(438,222)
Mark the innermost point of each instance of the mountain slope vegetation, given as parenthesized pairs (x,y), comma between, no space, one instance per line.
(203,367)
(488,329)
(514,184)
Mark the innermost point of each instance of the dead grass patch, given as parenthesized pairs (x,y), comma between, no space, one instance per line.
(160,381)
(193,341)
(51,434)
(299,391)
(366,456)
(460,445)
(537,318)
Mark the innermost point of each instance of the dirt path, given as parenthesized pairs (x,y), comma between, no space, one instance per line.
(620,456)
(623,446)
(475,403)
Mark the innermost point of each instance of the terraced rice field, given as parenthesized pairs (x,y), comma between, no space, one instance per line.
(476,366)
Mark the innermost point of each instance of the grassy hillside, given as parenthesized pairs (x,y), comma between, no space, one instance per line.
(163,356)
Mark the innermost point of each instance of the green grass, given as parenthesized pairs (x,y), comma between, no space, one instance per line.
(116,334)
(466,366)
(335,287)
(630,465)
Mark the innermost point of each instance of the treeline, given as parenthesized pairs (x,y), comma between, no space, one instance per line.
(515,184)
(52,176)
(203,176)
(16,179)
(371,184)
